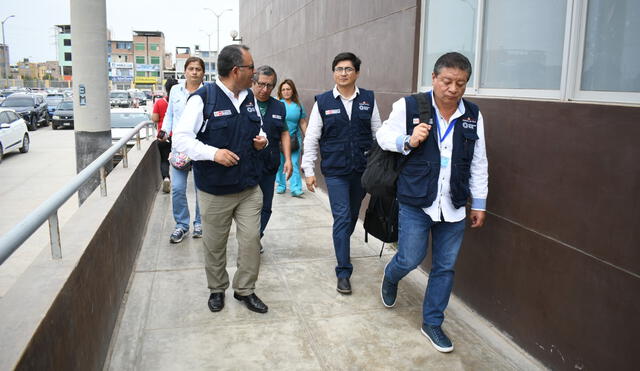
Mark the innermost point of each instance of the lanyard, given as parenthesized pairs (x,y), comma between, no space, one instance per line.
(446,133)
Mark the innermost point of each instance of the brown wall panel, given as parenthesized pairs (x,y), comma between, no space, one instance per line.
(557,265)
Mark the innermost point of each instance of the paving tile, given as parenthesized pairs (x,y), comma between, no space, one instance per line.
(282,345)
(179,299)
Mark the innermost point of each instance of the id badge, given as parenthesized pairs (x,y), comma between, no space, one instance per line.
(444,162)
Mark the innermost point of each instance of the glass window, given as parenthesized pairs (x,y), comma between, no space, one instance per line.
(153,46)
(523,44)
(204,54)
(124,45)
(154,73)
(141,73)
(139,46)
(611,51)
(67,42)
(140,60)
(439,39)
(67,56)
(155,60)
(67,70)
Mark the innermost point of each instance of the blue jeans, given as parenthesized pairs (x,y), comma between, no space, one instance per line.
(267,184)
(179,199)
(345,197)
(414,226)
(295,180)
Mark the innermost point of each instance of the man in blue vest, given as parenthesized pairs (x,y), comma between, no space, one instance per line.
(273,114)
(342,124)
(224,146)
(447,166)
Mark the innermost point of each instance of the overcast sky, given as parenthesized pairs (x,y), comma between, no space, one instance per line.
(30,34)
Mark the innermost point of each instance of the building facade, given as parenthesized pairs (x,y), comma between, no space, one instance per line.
(210,58)
(63,47)
(148,54)
(557,265)
(121,66)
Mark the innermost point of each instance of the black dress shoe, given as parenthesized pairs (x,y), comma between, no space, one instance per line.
(252,302)
(344,287)
(216,301)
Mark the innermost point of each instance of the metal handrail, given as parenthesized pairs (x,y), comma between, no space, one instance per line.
(48,210)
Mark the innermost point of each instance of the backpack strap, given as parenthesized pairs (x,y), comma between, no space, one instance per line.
(209,99)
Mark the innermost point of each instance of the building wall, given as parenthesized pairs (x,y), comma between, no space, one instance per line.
(146,80)
(557,265)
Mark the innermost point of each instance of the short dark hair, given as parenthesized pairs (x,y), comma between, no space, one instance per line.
(169,84)
(193,59)
(346,56)
(453,60)
(229,57)
(267,71)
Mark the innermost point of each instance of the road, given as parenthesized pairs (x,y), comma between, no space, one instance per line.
(27,180)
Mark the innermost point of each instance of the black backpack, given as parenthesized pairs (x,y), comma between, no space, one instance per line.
(379,180)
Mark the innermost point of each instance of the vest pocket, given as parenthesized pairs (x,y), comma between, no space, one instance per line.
(460,174)
(415,180)
(333,155)
(218,133)
(330,127)
(470,138)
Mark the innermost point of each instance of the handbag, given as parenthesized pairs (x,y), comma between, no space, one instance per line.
(295,144)
(180,161)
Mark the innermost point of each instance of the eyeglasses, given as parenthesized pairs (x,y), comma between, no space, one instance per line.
(263,85)
(344,69)
(249,66)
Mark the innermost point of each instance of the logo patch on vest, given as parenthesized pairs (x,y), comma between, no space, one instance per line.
(416,120)
(469,123)
(277,117)
(222,113)
(250,107)
(332,112)
(364,106)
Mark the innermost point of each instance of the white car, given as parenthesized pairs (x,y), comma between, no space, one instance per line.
(125,119)
(13,132)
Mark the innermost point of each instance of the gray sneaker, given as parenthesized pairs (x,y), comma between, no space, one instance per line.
(197,231)
(178,235)
(166,185)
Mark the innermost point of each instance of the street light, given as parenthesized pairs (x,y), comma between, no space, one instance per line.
(218,24)
(6,55)
(209,36)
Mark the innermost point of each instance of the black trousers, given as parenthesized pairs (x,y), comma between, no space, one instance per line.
(165,149)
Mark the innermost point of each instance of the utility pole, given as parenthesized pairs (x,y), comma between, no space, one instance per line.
(6,55)
(90,86)
(218,15)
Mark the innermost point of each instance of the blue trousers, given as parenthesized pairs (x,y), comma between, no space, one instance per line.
(345,197)
(179,199)
(295,181)
(414,227)
(267,184)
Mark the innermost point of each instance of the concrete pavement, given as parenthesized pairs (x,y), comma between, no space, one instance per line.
(164,323)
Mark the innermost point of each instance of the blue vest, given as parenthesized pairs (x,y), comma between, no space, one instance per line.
(418,179)
(228,129)
(273,123)
(344,143)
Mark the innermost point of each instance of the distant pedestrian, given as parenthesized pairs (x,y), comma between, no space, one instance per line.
(296,122)
(164,139)
(342,124)
(194,75)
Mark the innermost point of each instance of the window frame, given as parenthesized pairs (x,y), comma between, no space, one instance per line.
(571,69)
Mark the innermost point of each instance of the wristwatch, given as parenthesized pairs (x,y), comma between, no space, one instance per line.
(407,144)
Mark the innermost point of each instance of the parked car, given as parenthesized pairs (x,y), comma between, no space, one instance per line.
(121,98)
(141,97)
(124,119)
(13,132)
(53,99)
(32,108)
(63,116)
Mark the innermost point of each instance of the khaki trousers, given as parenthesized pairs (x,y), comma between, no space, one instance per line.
(217,212)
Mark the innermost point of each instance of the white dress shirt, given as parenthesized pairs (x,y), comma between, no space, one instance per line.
(314,129)
(191,121)
(392,135)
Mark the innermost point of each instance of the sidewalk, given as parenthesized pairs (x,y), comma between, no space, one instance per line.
(165,323)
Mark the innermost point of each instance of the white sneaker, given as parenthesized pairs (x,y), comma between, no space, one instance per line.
(166,185)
